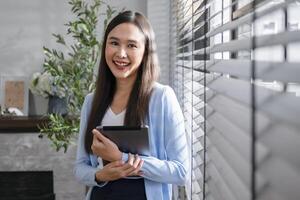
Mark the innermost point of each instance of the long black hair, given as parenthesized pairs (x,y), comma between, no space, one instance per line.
(138,103)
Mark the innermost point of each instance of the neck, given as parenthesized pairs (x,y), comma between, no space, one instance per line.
(125,85)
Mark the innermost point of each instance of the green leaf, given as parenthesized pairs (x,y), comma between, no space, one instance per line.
(47,52)
(59,39)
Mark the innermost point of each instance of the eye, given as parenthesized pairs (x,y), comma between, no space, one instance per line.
(132,46)
(114,43)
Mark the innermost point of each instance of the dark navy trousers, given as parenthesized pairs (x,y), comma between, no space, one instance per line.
(122,189)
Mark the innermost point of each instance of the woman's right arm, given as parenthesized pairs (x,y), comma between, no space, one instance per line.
(83,169)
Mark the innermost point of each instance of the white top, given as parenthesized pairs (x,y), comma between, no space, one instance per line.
(112,119)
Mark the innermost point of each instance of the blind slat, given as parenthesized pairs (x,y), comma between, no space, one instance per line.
(282,38)
(284,178)
(239,90)
(198,133)
(209,197)
(284,107)
(238,114)
(282,141)
(267,71)
(269,193)
(237,138)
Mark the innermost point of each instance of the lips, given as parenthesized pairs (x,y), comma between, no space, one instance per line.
(121,64)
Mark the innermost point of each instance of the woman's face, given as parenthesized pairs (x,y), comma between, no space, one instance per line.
(125,47)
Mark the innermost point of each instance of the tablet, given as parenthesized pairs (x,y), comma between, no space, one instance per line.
(132,140)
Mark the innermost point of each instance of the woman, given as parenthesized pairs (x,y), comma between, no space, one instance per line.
(127,94)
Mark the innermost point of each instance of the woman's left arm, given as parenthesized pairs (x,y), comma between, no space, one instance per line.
(175,169)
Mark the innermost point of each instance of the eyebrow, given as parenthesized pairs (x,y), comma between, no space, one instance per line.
(115,38)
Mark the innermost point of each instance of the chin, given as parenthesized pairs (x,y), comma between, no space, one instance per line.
(119,75)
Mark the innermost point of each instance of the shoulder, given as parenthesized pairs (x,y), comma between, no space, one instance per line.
(161,90)
(164,100)
(89,97)
(88,101)
(164,92)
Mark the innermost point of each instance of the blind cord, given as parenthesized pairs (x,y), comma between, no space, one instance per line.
(253,107)
(204,98)
(192,126)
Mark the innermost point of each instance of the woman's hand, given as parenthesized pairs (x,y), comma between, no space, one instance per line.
(118,169)
(105,148)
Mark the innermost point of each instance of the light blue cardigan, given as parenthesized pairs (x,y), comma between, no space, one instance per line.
(169,161)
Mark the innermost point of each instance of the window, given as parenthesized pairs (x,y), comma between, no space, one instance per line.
(237,77)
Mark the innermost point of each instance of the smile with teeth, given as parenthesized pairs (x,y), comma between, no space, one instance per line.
(121,64)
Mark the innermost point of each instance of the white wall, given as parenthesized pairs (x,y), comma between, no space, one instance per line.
(135,5)
(27,26)
(159,17)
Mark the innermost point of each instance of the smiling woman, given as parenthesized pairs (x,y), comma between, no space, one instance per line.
(127,94)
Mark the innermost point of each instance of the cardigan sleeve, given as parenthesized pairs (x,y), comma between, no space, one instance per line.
(175,168)
(83,169)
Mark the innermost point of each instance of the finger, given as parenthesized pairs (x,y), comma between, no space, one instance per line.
(133,170)
(130,159)
(140,173)
(95,140)
(97,146)
(126,167)
(136,161)
(139,167)
(129,171)
(123,170)
(94,144)
(99,135)
(137,170)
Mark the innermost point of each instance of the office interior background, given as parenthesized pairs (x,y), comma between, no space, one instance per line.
(234,65)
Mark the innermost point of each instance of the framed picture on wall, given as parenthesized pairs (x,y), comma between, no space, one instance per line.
(14,94)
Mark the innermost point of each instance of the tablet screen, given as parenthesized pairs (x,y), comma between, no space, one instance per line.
(132,140)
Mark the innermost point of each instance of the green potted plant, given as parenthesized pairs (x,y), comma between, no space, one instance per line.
(70,77)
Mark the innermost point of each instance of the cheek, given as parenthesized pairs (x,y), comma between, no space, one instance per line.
(108,54)
(139,56)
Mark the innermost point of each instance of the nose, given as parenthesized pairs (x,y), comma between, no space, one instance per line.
(122,53)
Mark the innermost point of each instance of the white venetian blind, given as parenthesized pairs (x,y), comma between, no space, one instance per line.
(237,75)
